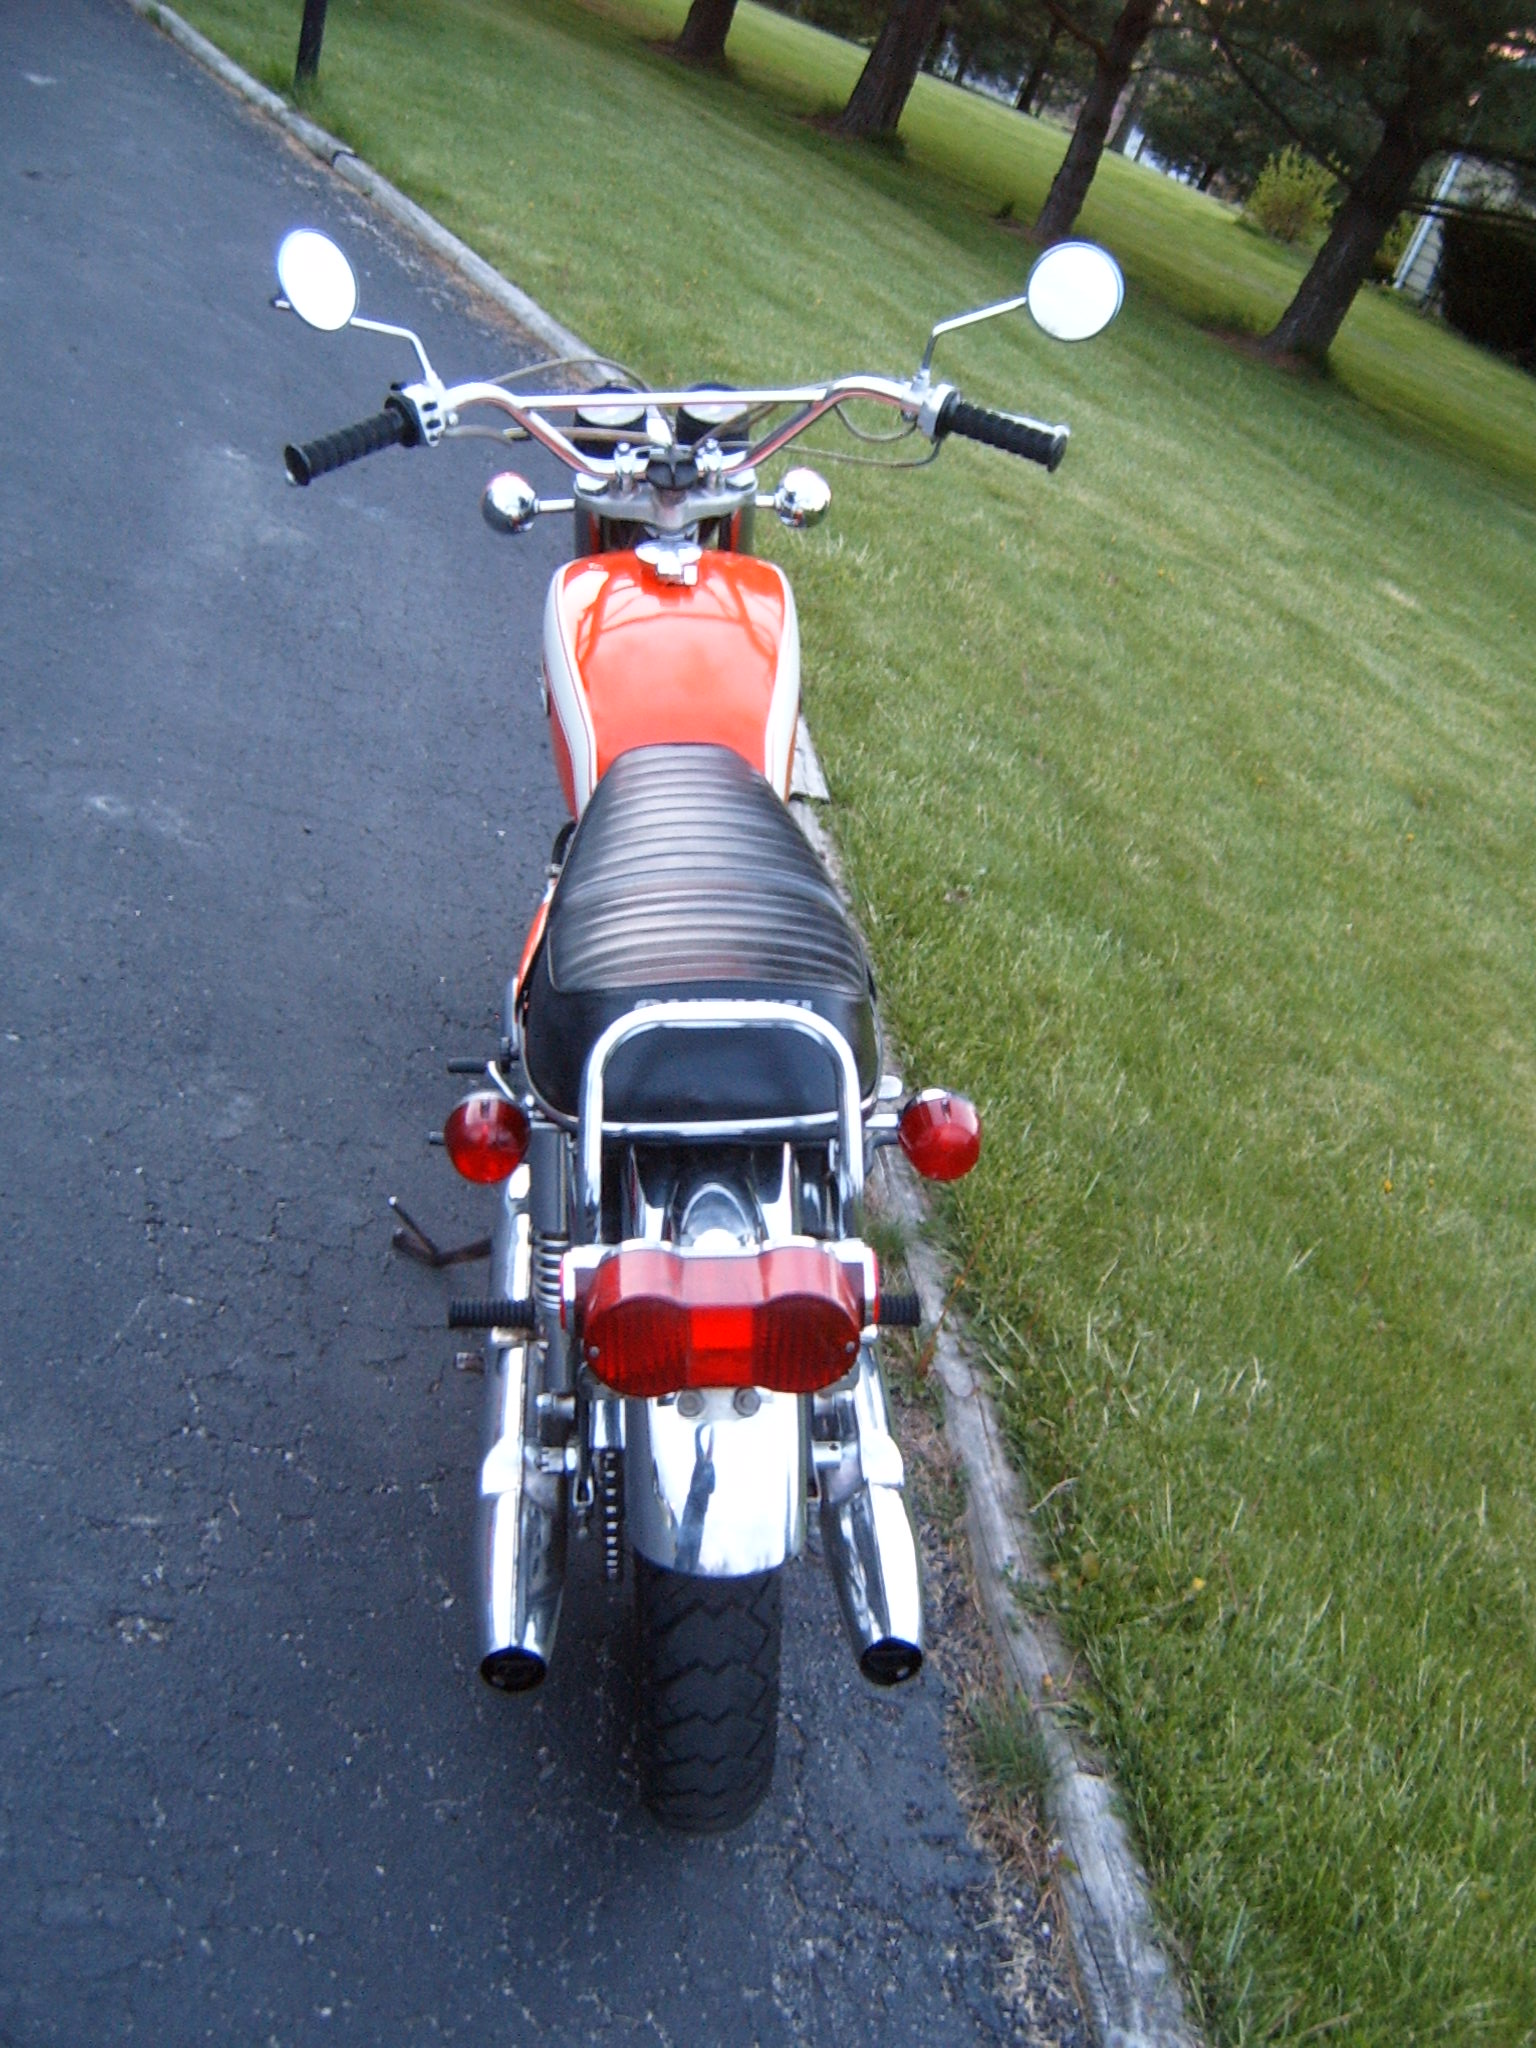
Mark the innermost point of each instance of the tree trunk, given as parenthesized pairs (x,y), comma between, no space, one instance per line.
(1203,182)
(876,102)
(702,40)
(1064,201)
(1308,325)
(311,35)
(1036,75)
(962,65)
(1131,114)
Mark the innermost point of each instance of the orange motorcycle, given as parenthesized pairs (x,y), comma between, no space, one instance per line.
(682,1320)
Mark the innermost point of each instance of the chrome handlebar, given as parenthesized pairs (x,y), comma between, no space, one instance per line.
(915,399)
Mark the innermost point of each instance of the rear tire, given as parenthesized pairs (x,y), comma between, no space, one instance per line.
(708,1695)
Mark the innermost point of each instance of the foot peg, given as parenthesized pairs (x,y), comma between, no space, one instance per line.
(500,1312)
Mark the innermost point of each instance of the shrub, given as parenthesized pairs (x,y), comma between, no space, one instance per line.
(1293,197)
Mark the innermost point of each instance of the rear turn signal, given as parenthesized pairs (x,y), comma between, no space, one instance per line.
(486,1136)
(941,1134)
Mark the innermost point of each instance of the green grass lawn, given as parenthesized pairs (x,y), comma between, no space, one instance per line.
(1187,800)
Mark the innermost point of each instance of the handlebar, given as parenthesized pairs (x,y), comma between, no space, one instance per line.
(811,402)
(394,427)
(417,413)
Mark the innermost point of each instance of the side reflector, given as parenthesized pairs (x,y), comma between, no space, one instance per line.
(941,1134)
(654,1322)
(486,1136)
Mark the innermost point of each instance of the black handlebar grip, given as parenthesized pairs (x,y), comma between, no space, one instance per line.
(1005,430)
(391,428)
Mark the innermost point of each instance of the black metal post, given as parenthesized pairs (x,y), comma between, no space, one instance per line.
(310,37)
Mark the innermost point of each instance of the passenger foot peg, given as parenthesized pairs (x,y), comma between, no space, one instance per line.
(900,1311)
(500,1312)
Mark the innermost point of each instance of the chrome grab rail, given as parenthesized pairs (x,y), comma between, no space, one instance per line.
(713,1013)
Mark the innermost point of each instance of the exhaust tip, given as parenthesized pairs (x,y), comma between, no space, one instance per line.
(891,1661)
(513,1670)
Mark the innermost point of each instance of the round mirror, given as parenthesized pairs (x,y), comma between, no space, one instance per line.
(317,280)
(1074,290)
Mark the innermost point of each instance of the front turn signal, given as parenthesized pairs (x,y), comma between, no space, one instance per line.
(486,1136)
(941,1134)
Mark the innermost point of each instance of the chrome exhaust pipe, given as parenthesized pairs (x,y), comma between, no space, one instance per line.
(520,1523)
(866,1532)
(520,1536)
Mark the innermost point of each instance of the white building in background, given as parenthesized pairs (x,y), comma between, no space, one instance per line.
(1420,264)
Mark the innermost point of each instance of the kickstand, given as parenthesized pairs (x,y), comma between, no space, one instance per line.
(415,1243)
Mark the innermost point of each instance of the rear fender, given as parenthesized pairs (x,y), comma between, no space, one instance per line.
(718,1494)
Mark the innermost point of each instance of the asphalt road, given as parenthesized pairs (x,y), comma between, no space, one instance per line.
(275,798)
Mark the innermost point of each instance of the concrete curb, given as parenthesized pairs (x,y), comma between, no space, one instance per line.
(347,164)
(1131,1993)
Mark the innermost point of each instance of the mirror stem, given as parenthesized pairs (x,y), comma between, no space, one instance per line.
(966,320)
(400,334)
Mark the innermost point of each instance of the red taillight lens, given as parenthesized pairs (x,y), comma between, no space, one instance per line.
(654,1322)
(486,1136)
(941,1134)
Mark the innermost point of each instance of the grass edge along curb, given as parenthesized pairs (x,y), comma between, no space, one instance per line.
(1130,1991)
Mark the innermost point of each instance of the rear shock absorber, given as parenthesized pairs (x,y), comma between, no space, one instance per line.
(549,1217)
(548,1251)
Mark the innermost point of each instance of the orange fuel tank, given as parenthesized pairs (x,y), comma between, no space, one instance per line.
(633,661)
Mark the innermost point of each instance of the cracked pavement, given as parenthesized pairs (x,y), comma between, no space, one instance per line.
(275,799)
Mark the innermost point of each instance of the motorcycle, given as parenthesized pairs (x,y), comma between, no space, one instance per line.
(682,1323)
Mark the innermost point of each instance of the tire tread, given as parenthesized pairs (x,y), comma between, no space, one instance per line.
(708,1695)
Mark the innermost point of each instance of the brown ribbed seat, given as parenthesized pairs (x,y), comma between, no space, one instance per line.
(688,877)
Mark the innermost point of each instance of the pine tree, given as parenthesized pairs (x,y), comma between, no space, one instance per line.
(1114,54)
(877,100)
(702,37)
(1377,91)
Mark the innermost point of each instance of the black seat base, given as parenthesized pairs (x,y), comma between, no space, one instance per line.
(688,878)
